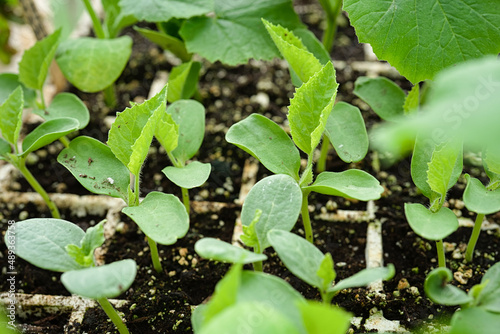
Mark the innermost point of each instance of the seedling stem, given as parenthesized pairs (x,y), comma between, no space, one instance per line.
(469,253)
(321,164)
(306,220)
(99,31)
(440,252)
(154,255)
(113,315)
(185,198)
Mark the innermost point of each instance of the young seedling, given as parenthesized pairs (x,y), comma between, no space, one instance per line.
(435,168)
(308,263)
(114,170)
(243,296)
(479,309)
(59,245)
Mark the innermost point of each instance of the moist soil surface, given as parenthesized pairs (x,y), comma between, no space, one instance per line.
(162,302)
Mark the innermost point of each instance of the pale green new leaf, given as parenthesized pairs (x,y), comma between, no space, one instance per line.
(301,61)
(83,253)
(420,38)
(431,225)
(92,64)
(479,199)
(161,217)
(491,162)
(158,11)
(190,176)
(218,250)
(66,105)
(445,167)
(35,63)
(167,132)
(183,81)
(412,100)
(11,114)
(249,236)
(326,272)
(310,107)
(132,132)
(107,281)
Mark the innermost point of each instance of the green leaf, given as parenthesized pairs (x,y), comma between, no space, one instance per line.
(320,318)
(352,183)
(346,130)
(440,292)
(35,63)
(48,132)
(301,61)
(158,11)
(445,167)
(474,320)
(115,20)
(382,95)
(313,44)
(190,116)
(310,107)
(300,256)
(267,142)
(190,176)
(249,236)
(236,33)
(279,197)
(9,82)
(5,148)
(412,100)
(431,225)
(167,132)
(11,114)
(365,277)
(218,250)
(66,105)
(491,163)
(161,217)
(94,165)
(183,81)
(42,242)
(489,297)
(83,253)
(166,42)
(107,281)
(92,64)
(479,199)
(326,271)
(132,132)
(421,38)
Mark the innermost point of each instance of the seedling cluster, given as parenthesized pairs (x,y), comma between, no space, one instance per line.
(425,46)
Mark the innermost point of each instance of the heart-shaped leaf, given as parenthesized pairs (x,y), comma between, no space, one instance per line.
(190,116)
(218,250)
(92,64)
(183,81)
(431,225)
(66,105)
(479,199)
(382,95)
(48,132)
(190,176)
(267,142)
(34,65)
(161,217)
(11,114)
(94,165)
(439,291)
(42,242)
(279,197)
(346,130)
(421,38)
(158,11)
(352,183)
(107,281)
(310,107)
(166,42)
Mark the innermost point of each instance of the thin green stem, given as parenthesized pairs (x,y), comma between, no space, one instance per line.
(440,252)
(326,297)
(65,141)
(469,253)
(154,255)
(136,189)
(331,25)
(321,164)
(185,199)
(257,266)
(306,220)
(110,96)
(42,97)
(99,31)
(113,315)
(21,165)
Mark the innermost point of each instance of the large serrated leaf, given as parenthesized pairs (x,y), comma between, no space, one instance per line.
(132,132)
(190,176)
(310,107)
(11,114)
(352,183)
(66,105)
(161,217)
(431,225)
(92,64)
(236,33)
(479,199)
(42,242)
(94,165)
(346,130)
(445,167)
(420,38)
(48,132)
(35,63)
(158,11)
(218,250)
(107,281)
(382,95)
(301,61)
(267,142)
(183,81)
(279,197)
